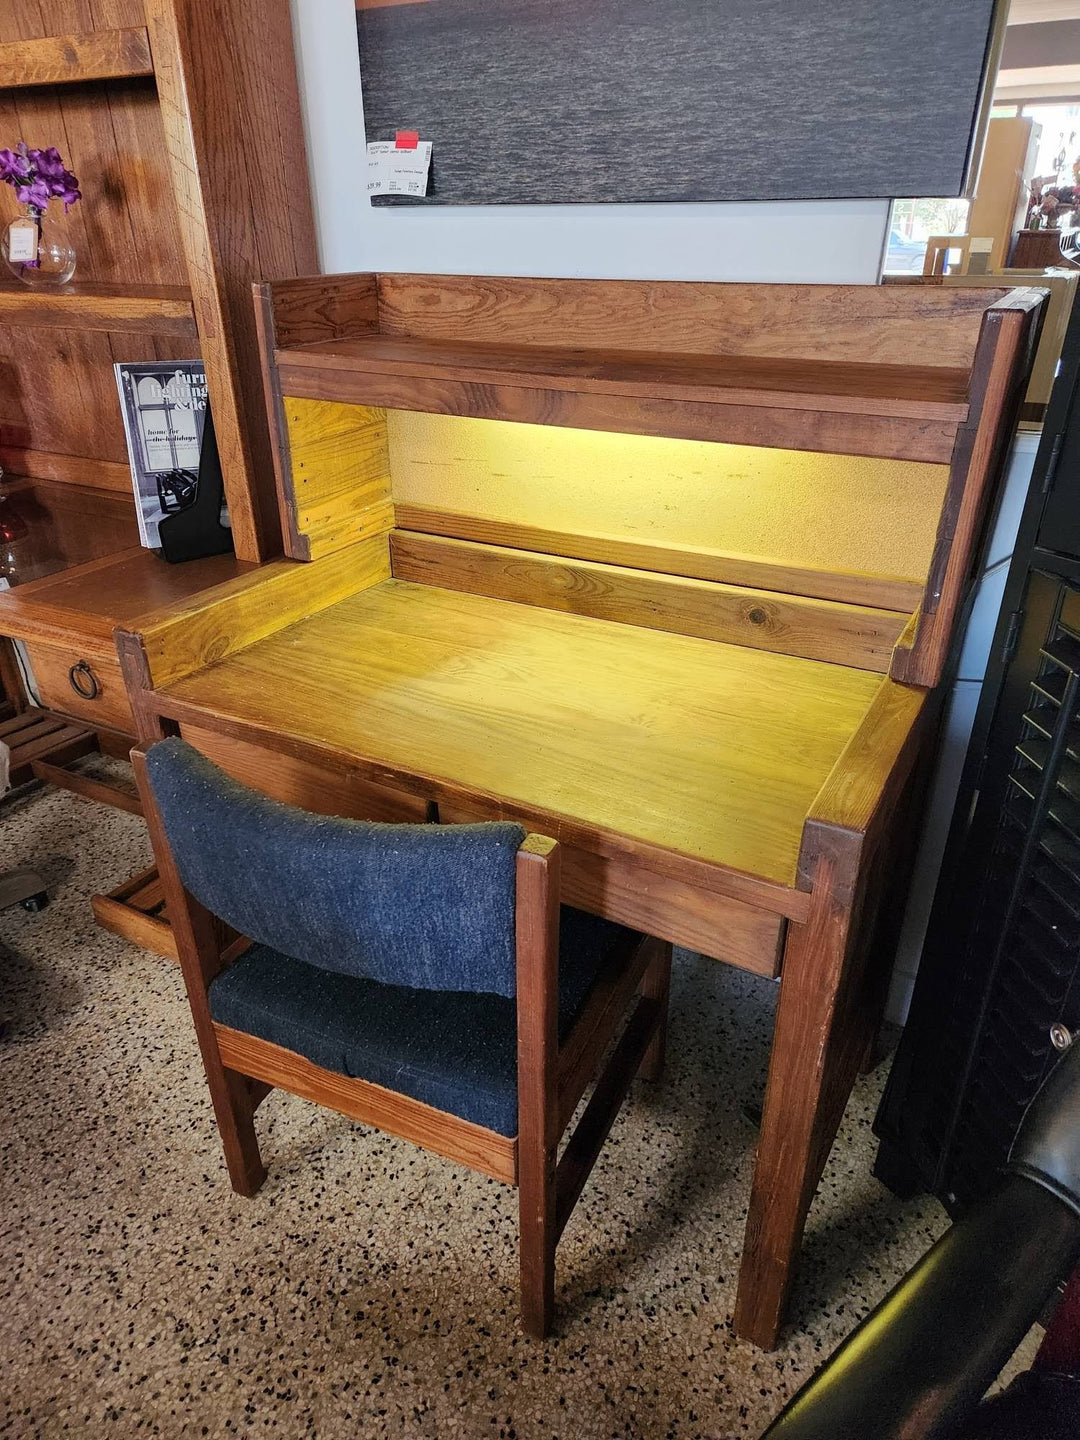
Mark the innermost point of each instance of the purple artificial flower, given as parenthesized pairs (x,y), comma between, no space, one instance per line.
(37,176)
(14,169)
(36,194)
(66,190)
(47,163)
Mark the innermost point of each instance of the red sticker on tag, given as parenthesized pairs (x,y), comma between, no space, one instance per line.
(406,140)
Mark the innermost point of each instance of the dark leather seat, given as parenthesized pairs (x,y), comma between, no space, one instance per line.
(919,1365)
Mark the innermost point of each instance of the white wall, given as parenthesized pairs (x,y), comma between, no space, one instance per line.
(839,241)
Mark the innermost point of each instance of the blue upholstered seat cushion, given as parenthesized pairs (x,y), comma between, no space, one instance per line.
(455,1051)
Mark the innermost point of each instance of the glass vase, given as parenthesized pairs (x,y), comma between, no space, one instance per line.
(55,262)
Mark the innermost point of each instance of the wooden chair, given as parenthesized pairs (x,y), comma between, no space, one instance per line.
(437,958)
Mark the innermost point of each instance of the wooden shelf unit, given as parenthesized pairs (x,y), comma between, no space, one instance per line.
(865,409)
(117,309)
(180,214)
(167,242)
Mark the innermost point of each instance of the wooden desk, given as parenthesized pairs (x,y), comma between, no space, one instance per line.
(727,748)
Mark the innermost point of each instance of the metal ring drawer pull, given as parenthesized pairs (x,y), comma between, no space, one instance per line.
(84,681)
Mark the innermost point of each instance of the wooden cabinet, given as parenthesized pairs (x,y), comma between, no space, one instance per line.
(167,243)
(195,183)
(66,621)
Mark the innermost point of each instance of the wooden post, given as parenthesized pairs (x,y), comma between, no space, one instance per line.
(815,1057)
(538,1045)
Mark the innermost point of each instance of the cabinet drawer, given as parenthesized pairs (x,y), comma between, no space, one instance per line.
(86,685)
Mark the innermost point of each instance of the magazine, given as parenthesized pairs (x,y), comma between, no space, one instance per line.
(163,403)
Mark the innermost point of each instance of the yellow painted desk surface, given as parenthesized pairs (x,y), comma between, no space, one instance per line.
(710,750)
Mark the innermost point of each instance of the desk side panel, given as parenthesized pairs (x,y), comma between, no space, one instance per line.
(181,639)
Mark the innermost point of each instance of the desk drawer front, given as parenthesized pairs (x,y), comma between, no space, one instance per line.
(297,782)
(621,888)
(88,686)
(698,919)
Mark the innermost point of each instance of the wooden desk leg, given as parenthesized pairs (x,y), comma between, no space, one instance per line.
(822,1026)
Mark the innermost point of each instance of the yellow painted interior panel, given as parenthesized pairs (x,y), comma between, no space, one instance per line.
(836,512)
(340,472)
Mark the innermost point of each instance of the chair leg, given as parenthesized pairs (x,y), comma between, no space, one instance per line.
(234,1108)
(656,985)
(536,1211)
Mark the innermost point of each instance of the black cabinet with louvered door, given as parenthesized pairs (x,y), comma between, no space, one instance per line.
(998,992)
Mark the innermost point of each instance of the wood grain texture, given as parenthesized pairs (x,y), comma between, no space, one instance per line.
(821,322)
(796,1129)
(789,625)
(617,887)
(1002,365)
(153,309)
(84,604)
(315,308)
(656,986)
(12,688)
(66,469)
(293,543)
(136,911)
(62,59)
(837,432)
(58,395)
(222,619)
(339,474)
(459,1140)
(38,19)
(34,734)
(111,133)
(668,742)
(86,787)
(620,887)
(883,592)
(225,72)
(860,780)
(832,987)
(911,392)
(68,525)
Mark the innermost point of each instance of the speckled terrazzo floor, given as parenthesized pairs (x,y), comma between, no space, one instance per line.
(369,1289)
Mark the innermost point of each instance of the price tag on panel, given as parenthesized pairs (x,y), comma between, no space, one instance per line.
(22,242)
(398,167)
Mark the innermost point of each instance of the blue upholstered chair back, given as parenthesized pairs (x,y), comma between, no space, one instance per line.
(425,906)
